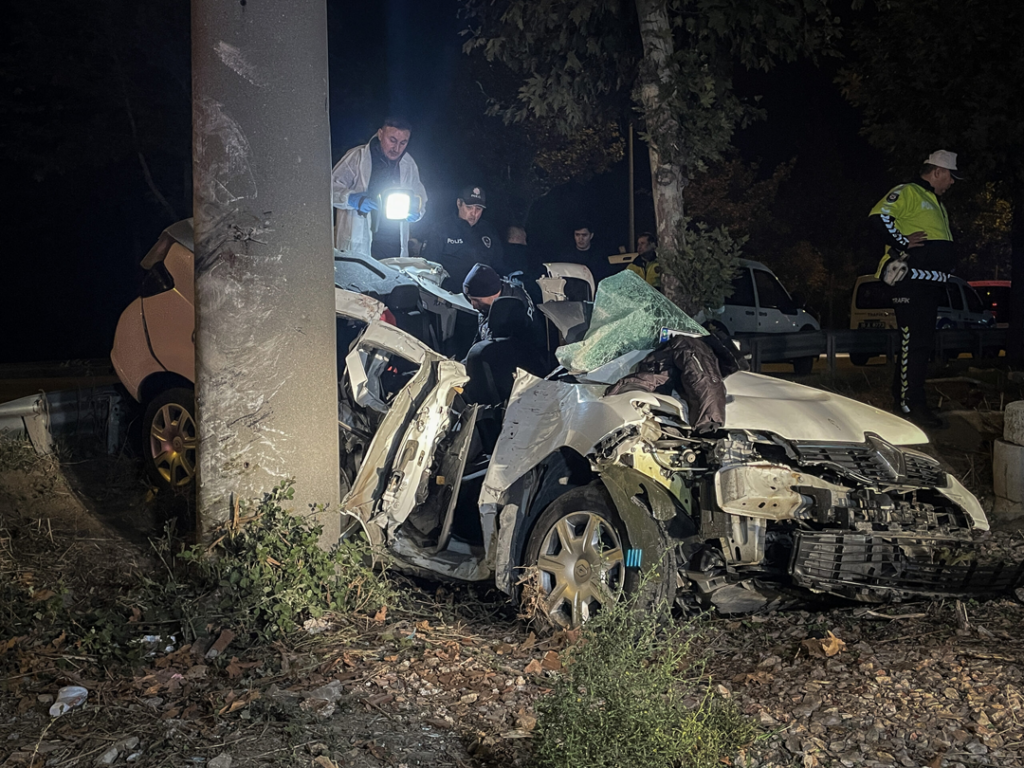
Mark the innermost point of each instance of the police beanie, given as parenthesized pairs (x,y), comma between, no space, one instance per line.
(481,281)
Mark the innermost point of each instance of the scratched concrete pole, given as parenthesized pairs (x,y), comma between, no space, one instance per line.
(266,384)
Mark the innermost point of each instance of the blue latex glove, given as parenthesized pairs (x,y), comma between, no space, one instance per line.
(414,216)
(361,202)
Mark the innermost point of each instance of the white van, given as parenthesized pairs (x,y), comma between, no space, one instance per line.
(759,304)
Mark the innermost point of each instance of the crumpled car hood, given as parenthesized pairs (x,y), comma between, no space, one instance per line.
(796,412)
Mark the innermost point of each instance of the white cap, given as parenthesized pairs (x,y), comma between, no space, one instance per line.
(944,159)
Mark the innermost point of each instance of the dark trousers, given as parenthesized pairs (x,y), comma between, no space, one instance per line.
(916,303)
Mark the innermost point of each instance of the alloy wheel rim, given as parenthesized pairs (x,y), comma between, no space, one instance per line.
(172,444)
(582,567)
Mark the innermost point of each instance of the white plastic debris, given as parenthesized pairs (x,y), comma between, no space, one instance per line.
(223,760)
(68,697)
(316,626)
(154,643)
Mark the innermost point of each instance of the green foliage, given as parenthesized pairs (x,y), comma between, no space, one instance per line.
(987,235)
(704,267)
(265,576)
(580,63)
(732,194)
(632,695)
(16,452)
(571,61)
(963,55)
(271,574)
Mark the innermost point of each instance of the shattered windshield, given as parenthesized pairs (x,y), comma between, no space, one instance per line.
(628,315)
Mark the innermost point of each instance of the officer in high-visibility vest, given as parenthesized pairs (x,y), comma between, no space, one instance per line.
(918,259)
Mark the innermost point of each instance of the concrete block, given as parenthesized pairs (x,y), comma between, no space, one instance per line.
(1013,423)
(1007,515)
(1008,470)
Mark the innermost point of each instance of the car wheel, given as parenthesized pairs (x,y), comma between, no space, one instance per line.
(859,359)
(578,547)
(803,365)
(170,439)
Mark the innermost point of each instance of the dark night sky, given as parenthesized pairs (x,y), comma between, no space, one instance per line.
(76,235)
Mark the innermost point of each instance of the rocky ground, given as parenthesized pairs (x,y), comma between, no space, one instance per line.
(451,677)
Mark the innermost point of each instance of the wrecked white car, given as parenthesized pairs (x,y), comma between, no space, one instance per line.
(800,491)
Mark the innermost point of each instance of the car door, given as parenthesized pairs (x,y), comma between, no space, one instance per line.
(951,305)
(739,314)
(415,394)
(976,315)
(776,311)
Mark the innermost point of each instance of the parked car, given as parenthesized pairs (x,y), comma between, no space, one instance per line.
(586,496)
(760,304)
(154,344)
(961,307)
(871,307)
(994,294)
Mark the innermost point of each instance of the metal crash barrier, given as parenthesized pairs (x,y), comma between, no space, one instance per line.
(866,343)
(97,412)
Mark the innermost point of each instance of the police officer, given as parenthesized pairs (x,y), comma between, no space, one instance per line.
(918,258)
(465,239)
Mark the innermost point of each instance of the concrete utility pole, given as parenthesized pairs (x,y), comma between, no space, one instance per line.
(266,386)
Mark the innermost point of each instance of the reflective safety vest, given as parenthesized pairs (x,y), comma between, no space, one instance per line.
(651,272)
(910,208)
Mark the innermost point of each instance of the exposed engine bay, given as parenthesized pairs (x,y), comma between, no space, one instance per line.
(871,521)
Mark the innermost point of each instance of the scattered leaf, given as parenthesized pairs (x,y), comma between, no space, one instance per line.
(824,647)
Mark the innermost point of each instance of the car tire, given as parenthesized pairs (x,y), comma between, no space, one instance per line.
(577,548)
(803,365)
(859,359)
(170,439)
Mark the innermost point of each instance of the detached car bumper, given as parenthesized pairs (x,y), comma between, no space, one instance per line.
(883,567)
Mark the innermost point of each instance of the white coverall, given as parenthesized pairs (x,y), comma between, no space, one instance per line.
(352,174)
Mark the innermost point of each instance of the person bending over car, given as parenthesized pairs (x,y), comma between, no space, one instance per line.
(492,364)
(482,287)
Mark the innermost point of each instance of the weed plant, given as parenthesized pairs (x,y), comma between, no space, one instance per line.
(271,574)
(16,452)
(264,576)
(632,694)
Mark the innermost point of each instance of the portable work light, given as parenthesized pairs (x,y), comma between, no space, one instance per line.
(397,204)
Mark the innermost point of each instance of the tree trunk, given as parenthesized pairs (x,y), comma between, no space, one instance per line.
(1015,343)
(668,177)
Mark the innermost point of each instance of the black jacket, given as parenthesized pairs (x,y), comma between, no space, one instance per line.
(457,246)
(694,365)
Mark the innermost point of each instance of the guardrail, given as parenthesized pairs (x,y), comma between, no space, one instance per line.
(863,344)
